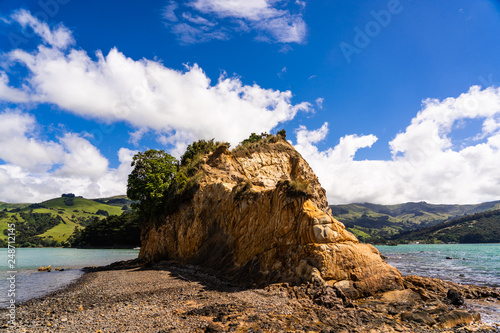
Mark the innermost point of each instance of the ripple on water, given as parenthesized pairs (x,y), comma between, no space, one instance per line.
(477,264)
(490,311)
(28,284)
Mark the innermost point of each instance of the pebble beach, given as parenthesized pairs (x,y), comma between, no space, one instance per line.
(169,298)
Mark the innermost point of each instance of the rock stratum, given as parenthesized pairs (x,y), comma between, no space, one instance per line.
(260,214)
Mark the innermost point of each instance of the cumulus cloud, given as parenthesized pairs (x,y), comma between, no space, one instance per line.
(20,147)
(178,106)
(147,94)
(10,94)
(35,169)
(426,164)
(204,20)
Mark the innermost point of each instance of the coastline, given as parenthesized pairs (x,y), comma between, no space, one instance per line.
(125,297)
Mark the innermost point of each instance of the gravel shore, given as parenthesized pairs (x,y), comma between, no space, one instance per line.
(170,298)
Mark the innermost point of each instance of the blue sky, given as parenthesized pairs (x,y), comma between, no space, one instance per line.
(389,101)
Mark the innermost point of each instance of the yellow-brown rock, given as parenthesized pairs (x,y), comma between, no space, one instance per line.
(261,214)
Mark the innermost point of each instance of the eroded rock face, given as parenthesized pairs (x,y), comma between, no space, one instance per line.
(249,222)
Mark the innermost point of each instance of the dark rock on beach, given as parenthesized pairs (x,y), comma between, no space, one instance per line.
(455,297)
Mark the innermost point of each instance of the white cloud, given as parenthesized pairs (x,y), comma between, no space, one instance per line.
(37,169)
(197,19)
(252,10)
(425,166)
(10,94)
(169,12)
(59,37)
(81,159)
(179,106)
(147,94)
(284,29)
(266,17)
(189,34)
(19,146)
(319,102)
(178,141)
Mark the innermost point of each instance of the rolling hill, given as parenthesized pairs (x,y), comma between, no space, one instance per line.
(50,223)
(476,228)
(378,223)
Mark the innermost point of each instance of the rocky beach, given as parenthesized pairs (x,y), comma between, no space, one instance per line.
(166,297)
(251,246)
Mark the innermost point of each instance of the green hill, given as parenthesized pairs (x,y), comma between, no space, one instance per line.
(50,223)
(377,223)
(118,200)
(476,228)
(80,206)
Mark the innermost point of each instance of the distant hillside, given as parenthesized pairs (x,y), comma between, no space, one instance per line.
(476,228)
(377,223)
(119,200)
(50,223)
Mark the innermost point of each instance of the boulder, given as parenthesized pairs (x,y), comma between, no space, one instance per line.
(457,317)
(418,317)
(261,215)
(397,296)
(455,297)
(45,268)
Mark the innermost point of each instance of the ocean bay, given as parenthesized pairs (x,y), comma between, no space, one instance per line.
(30,283)
(477,264)
(470,264)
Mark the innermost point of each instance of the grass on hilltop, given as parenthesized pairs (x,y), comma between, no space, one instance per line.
(73,212)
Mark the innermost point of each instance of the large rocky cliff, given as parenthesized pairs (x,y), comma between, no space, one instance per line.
(261,214)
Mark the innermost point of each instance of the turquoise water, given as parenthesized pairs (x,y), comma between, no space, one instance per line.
(30,283)
(470,264)
(477,264)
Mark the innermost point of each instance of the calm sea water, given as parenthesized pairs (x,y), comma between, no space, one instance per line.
(477,264)
(30,283)
(471,264)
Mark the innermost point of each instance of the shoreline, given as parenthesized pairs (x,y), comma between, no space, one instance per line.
(125,297)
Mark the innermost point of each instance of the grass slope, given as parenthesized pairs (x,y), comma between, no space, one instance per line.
(381,222)
(81,205)
(117,200)
(79,213)
(476,228)
(61,232)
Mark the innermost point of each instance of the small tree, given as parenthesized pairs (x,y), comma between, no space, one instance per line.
(102,212)
(149,181)
(282,133)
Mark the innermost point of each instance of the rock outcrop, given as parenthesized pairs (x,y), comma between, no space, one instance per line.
(261,214)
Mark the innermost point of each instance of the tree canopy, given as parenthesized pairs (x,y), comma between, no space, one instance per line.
(149,181)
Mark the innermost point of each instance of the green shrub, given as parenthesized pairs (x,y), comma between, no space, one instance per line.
(255,141)
(69,201)
(196,151)
(295,188)
(116,231)
(240,189)
(102,212)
